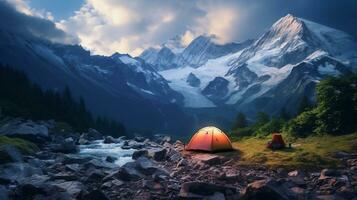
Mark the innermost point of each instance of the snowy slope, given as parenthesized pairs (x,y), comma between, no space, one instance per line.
(197,53)
(292,56)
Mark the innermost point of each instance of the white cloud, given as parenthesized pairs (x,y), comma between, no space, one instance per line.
(108,26)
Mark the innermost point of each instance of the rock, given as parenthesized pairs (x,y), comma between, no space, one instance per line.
(207,159)
(128,174)
(147,167)
(179,145)
(17,172)
(28,130)
(73,188)
(66,146)
(95,195)
(95,176)
(75,159)
(83,141)
(296,173)
(264,189)
(327,173)
(99,164)
(73,167)
(159,154)
(329,197)
(109,140)
(9,153)
(152,185)
(139,139)
(182,162)
(93,134)
(207,190)
(139,153)
(66,176)
(110,159)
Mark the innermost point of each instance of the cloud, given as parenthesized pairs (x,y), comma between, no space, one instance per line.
(16,17)
(127,26)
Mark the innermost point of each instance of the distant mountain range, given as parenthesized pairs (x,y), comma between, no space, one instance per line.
(161,90)
(271,73)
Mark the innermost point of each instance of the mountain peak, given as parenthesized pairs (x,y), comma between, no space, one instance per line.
(288,25)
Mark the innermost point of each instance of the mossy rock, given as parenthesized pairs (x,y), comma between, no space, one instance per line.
(16,144)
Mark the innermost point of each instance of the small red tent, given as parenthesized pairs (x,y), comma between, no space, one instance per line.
(209,139)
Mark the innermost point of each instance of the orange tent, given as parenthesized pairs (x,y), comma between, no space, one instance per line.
(209,139)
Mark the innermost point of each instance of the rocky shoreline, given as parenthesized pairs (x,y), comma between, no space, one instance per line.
(160,169)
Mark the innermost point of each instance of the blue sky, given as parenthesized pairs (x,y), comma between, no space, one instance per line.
(60,9)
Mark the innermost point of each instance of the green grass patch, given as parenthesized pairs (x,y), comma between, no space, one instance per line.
(24,146)
(310,152)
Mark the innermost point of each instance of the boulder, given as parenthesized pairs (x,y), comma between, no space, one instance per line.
(28,130)
(109,140)
(139,139)
(139,153)
(207,190)
(158,154)
(207,158)
(265,189)
(327,173)
(66,146)
(83,141)
(128,173)
(110,159)
(73,188)
(9,153)
(17,172)
(95,195)
(92,134)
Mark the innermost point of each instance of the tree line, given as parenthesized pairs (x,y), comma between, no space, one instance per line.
(19,97)
(334,113)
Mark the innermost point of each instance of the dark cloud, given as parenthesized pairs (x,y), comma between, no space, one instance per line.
(13,21)
(261,14)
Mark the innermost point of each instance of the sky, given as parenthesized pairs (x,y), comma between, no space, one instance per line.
(131,26)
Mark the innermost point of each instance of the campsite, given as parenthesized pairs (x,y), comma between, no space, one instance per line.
(178,100)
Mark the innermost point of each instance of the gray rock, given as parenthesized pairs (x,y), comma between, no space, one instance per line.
(139,139)
(109,140)
(208,159)
(207,191)
(139,153)
(182,162)
(128,173)
(327,173)
(73,188)
(83,141)
(159,154)
(92,134)
(25,129)
(110,159)
(66,146)
(95,195)
(265,189)
(17,172)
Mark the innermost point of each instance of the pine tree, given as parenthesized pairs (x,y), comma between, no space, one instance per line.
(241,121)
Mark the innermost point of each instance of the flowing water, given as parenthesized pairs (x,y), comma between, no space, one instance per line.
(100,150)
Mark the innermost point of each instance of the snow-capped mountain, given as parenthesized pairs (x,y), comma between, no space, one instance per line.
(119,86)
(272,73)
(197,53)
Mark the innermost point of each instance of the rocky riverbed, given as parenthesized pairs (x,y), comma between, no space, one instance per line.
(93,166)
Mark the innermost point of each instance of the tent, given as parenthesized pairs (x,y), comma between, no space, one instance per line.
(209,139)
(277,142)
